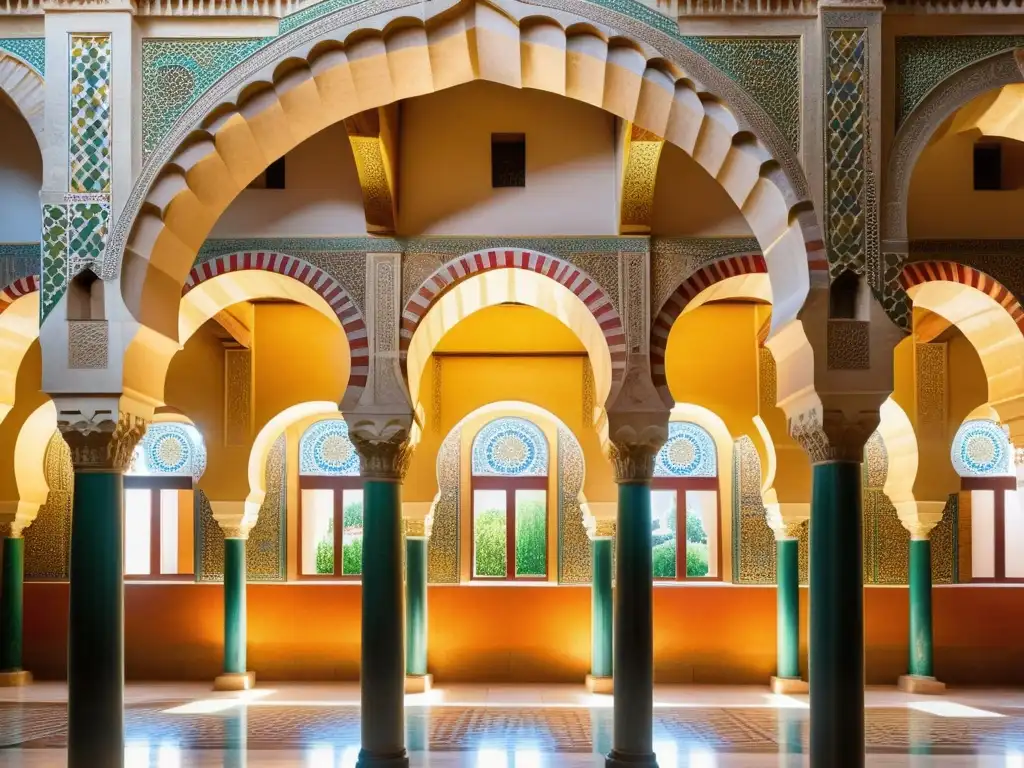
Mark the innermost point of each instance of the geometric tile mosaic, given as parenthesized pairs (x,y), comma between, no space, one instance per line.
(87,235)
(74,236)
(845,135)
(31,50)
(55,258)
(89,118)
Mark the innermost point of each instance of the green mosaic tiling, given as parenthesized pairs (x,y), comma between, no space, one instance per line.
(89,113)
(313,12)
(32,50)
(54,258)
(924,62)
(768,68)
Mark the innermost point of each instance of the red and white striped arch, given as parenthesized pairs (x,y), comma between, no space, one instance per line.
(327,287)
(675,304)
(563,272)
(20,287)
(920,272)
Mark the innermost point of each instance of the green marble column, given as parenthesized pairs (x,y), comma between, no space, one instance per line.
(382,679)
(788,618)
(601,612)
(836,617)
(234,606)
(921,608)
(632,734)
(96,622)
(416,606)
(11,605)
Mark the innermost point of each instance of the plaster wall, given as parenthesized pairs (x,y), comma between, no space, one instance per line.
(322,197)
(21,177)
(445,164)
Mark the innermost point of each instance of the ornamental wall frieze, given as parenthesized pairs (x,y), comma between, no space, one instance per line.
(18,260)
(1002,260)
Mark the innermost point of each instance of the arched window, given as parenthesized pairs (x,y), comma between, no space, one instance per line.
(983,457)
(684,497)
(159,509)
(510,501)
(331,503)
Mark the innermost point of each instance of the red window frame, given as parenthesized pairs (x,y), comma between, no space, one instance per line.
(509,484)
(681,485)
(998,486)
(338,484)
(154,484)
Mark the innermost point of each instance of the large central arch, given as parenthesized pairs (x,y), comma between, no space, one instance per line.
(344,64)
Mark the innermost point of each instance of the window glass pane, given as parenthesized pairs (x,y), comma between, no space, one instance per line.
(531,533)
(701,534)
(1014,536)
(352,532)
(137,512)
(490,537)
(983,534)
(168,531)
(317,531)
(663,534)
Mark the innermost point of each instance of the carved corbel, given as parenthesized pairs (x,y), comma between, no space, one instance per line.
(101,437)
(374,136)
(638,172)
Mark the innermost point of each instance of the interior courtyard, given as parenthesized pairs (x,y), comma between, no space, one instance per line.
(511,384)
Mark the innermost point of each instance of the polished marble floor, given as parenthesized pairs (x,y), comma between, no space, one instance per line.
(317,726)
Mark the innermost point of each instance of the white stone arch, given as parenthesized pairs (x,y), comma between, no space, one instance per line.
(344,63)
(25,87)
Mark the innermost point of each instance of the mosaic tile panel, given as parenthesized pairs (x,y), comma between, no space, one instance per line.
(804,553)
(31,50)
(944,544)
(89,116)
(18,260)
(574,562)
(266,549)
(924,62)
(170,449)
(689,452)
(845,136)
(754,560)
(981,449)
(884,279)
(768,68)
(54,258)
(443,547)
(48,539)
(325,449)
(510,447)
(87,236)
(176,72)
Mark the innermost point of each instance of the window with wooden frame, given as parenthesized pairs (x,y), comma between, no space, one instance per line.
(983,457)
(685,513)
(159,503)
(510,501)
(330,503)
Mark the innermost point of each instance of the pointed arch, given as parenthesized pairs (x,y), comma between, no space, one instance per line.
(21,286)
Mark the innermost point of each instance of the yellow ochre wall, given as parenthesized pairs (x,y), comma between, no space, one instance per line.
(27,398)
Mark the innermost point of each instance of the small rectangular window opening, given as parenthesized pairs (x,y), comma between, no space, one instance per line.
(508,160)
(988,167)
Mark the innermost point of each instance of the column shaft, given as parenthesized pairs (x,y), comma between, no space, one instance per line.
(415,606)
(601,609)
(632,743)
(11,605)
(96,623)
(383,675)
(234,606)
(837,617)
(788,579)
(921,608)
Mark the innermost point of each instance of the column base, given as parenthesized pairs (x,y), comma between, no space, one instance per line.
(616,759)
(15,679)
(787,686)
(920,684)
(235,681)
(600,684)
(418,683)
(370,760)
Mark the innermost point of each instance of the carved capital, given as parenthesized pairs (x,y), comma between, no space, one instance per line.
(637,423)
(383,445)
(633,460)
(417,519)
(786,519)
(101,440)
(603,529)
(833,435)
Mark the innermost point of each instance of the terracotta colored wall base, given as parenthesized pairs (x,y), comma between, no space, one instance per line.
(702,634)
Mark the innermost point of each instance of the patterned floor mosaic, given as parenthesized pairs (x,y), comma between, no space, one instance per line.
(551,731)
